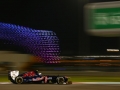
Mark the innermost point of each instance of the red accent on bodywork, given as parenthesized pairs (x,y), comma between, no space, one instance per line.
(29,74)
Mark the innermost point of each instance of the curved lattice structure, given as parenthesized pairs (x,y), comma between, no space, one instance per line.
(42,43)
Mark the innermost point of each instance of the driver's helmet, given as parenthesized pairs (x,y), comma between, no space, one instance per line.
(36,71)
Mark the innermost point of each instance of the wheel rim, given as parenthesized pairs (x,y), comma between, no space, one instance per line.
(61,81)
(19,80)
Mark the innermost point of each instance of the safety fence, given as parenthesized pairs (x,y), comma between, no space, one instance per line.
(82,63)
(75,63)
(72,73)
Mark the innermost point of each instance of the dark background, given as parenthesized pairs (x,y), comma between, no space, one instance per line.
(65,17)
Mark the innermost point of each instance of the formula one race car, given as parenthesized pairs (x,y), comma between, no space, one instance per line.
(34,77)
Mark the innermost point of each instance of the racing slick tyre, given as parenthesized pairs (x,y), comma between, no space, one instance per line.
(19,80)
(60,80)
(69,82)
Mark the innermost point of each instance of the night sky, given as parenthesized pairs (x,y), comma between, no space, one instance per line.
(65,17)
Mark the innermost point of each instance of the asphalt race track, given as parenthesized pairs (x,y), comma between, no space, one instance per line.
(79,86)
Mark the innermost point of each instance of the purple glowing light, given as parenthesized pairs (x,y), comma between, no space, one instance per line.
(41,43)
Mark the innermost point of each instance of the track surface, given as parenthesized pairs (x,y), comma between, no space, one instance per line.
(75,86)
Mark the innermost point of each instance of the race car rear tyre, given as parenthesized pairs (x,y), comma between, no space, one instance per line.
(19,80)
(60,80)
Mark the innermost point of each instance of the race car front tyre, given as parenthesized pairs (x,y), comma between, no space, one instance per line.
(69,82)
(60,80)
(19,80)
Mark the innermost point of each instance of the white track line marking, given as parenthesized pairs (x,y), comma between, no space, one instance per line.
(5,83)
(96,82)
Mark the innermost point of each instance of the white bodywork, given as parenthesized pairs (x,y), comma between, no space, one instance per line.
(14,74)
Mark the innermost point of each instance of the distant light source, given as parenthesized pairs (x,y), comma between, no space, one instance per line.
(113,50)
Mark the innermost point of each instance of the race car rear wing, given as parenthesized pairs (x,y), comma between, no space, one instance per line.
(13,74)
